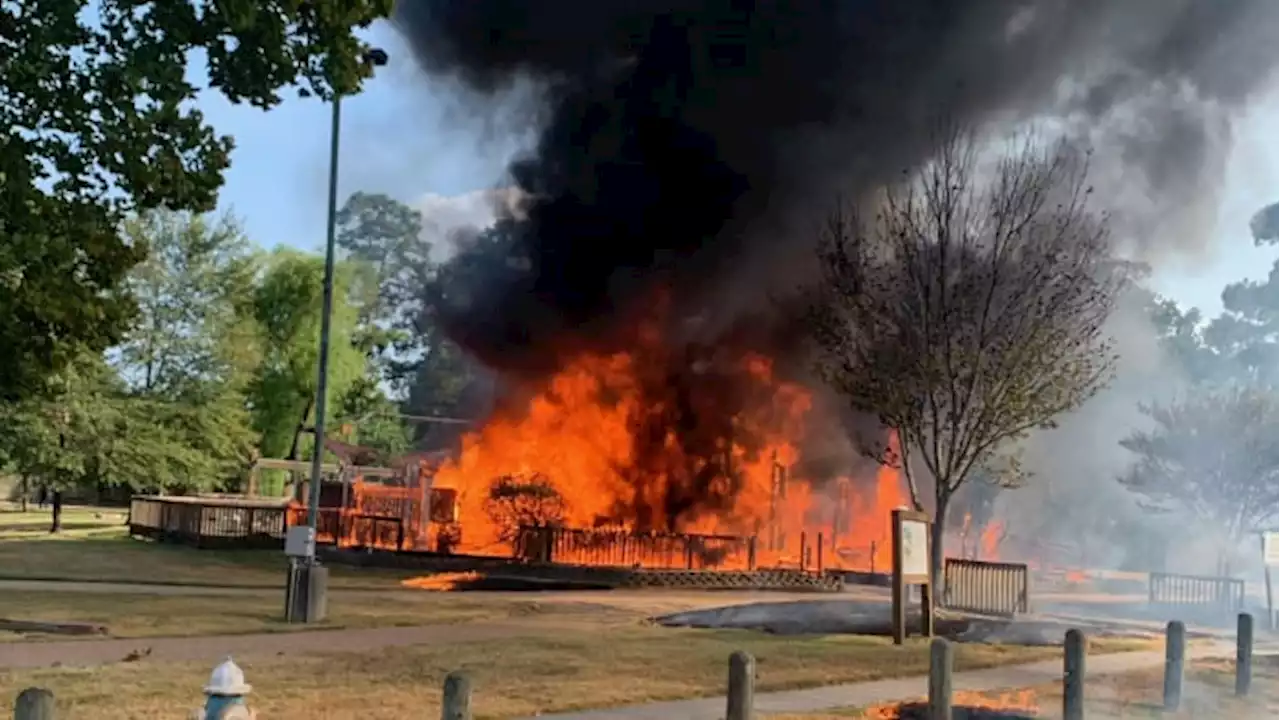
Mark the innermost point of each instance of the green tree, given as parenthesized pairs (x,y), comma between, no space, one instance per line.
(288,306)
(1212,456)
(967,311)
(193,348)
(101,121)
(408,346)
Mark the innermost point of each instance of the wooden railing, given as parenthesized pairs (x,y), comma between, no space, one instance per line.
(622,548)
(990,588)
(207,523)
(1217,595)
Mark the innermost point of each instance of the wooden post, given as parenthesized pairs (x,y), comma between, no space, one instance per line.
(456,704)
(804,551)
(742,679)
(940,662)
(910,567)
(34,704)
(1244,653)
(1175,650)
(1074,650)
(819,563)
(751,553)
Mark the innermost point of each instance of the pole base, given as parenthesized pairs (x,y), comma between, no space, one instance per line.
(306,594)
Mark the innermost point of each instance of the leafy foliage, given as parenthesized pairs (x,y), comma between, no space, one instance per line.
(515,501)
(965,314)
(1213,456)
(101,121)
(287,306)
(414,355)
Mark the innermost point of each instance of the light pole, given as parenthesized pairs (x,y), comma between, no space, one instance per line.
(308,585)
(377,58)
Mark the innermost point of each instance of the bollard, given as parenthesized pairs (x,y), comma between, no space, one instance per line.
(1175,650)
(456,703)
(1074,650)
(742,682)
(1244,654)
(34,704)
(940,663)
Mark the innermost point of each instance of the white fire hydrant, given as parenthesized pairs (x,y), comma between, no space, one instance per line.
(225,695)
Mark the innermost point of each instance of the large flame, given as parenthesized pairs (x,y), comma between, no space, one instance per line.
(655,440)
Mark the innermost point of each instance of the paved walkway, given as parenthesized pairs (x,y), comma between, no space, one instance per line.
(885,691)
(214,648)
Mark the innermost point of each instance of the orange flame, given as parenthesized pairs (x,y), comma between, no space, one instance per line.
(578,439)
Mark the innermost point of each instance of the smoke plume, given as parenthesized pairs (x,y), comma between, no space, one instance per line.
(678,139)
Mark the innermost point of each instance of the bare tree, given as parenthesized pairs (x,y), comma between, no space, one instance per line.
(967,310)
(1213,457)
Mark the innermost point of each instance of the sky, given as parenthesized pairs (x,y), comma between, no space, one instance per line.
(410,137)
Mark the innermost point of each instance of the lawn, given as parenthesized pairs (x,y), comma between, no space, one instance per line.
(1208,692)
(151,615)
(595,665)
(94,547)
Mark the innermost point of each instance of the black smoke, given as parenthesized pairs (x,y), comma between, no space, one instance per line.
(680,137)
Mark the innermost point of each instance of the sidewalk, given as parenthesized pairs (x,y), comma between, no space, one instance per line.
(214,648)
(885,691)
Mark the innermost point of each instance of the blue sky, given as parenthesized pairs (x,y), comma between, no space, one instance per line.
(409,136)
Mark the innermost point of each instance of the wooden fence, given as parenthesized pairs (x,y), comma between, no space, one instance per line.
(627,549)
(213,523)
(990,588)
(1209,595)
(36,703)
(207,523)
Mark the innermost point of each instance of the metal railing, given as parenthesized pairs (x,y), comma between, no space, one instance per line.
(989,588)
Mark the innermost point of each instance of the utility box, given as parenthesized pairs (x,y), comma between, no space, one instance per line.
(306,596)
(300,542)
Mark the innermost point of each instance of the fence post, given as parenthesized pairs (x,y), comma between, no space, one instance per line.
(34,704)
(1175,649)
(1074,651)
(456,704)
(742,680)
(1244,653)
(940,662)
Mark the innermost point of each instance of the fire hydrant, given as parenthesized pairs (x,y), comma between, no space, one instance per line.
(225,695)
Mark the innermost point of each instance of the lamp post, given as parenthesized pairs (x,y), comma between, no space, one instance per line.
(306,596)
(377,58)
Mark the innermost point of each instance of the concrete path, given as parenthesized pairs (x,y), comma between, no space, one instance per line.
(886,691)
(101,652)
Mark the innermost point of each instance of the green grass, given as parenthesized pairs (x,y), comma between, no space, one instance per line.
(94,547)
(151,615)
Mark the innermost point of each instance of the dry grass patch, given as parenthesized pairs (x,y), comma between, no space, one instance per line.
(568,669)
(1208,692)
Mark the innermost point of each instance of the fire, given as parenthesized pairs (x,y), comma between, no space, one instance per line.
(659,441)
(1013,703)
(441,582)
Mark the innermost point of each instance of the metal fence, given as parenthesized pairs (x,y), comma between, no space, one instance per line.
(623,548)
(990,588)
(1223,595)
(205,523)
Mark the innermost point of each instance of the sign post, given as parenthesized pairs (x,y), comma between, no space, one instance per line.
(911,567)
(1270,559)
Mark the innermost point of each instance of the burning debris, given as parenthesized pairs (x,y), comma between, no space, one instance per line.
(654,385)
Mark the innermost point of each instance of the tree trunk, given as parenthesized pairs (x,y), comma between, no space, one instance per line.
(937,551)
(57,512)
(25,484)
(294,477)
